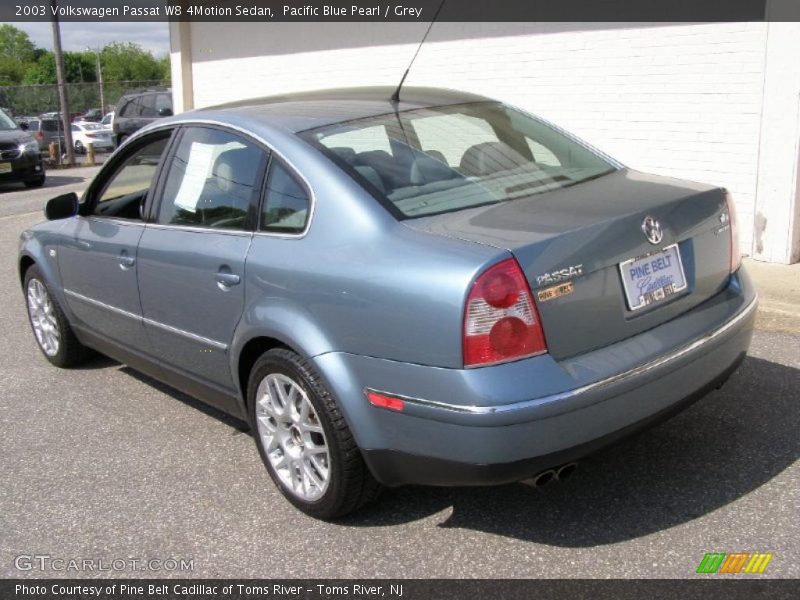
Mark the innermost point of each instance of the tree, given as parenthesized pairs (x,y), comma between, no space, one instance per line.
(129,62)
(17,52)
(78,67)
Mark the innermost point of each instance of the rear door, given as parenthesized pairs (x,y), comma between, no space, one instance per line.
(192,254)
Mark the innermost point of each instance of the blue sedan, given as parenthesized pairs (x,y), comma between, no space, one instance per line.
(434,289)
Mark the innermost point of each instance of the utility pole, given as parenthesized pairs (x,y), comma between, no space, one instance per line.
(100,81)
(62,87)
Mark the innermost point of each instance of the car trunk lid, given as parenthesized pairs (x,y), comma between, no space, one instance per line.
(582,233)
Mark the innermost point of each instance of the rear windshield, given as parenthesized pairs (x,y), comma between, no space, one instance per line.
(434,160)
(51,125)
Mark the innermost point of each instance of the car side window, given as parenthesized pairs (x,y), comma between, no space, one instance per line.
(126,189)
(286,202)
(131,109)
(213,180)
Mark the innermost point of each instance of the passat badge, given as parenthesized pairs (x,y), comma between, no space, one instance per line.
(560,275)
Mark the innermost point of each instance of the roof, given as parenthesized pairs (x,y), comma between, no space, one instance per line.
(309,110)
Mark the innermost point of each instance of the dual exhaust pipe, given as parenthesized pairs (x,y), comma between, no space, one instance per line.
(558,474)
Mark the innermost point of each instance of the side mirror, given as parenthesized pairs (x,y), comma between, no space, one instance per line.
(165,112)
(61,207)
(23,126)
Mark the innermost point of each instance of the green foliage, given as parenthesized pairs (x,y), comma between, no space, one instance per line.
(125,66)
(17,53)
(129,62)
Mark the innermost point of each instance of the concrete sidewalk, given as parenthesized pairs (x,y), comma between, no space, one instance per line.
(779,295)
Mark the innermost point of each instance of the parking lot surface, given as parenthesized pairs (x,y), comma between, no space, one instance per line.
(104,463)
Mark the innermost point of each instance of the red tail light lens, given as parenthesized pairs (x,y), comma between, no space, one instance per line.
(735,252)
(39,135)
(500,319)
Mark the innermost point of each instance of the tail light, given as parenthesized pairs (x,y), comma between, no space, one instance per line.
(500,320)
(735,252)
(39,135)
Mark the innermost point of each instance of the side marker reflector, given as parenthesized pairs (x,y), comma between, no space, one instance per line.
(384,401)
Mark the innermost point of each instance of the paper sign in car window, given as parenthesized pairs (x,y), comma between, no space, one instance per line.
(194,177)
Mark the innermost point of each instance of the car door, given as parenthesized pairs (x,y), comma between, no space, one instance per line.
(192,255)
(98,265)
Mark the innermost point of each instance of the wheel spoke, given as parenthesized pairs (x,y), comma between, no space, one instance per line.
(292,436)
(41,311)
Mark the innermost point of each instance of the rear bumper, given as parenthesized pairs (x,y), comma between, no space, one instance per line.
(507,422)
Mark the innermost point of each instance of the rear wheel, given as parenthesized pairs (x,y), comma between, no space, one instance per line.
(79,147)
(50,327)
(303,439)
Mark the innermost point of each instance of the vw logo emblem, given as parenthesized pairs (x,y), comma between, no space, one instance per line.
(652,230)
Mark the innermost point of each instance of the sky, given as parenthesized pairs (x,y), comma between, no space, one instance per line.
(77,36)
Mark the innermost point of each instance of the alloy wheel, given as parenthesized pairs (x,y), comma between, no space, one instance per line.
(292,436)
(43,317)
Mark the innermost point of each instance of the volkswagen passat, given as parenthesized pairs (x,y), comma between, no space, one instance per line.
(438,290)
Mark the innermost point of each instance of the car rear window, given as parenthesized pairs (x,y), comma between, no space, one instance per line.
(50,125)
(434,160)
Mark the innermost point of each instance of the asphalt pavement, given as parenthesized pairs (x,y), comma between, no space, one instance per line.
(103,463)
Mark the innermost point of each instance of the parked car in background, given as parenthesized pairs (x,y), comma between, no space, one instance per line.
(93,115)
(440,289)
(139,108)
(20,159)
(84,134)
(108,121)
(45,131)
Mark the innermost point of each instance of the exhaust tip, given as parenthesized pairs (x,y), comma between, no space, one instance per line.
(544,478)
(566,471)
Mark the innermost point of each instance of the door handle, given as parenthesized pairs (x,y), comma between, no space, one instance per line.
(226,280)
(125,261)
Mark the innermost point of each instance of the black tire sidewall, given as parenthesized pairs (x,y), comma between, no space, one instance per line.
(287,363)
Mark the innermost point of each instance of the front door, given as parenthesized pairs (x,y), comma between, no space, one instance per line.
(98,265)
(191,258)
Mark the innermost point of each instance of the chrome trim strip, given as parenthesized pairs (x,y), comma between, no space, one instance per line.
(192,336)
(649,366)
(193,229)
(99,304)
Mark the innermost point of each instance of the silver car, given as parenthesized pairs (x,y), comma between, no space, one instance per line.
(437,289)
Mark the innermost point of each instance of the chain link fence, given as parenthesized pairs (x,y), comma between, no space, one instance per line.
(33,100)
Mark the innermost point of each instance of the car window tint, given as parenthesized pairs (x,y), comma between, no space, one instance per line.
(128,185)
(286,203)
(213,180)
(50,125)
(75,129)
(147,105)
(451,135)
(127,109)
(163,101)
(367,139)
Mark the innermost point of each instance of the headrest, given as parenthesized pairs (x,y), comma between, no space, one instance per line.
(372,176)
(235,169)
(490,157)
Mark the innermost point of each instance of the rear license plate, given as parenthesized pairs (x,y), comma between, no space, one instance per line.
(652,278)
(5,167)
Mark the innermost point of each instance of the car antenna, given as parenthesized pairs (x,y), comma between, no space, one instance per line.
(396,96)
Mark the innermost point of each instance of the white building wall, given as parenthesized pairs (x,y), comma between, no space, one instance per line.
(683,100)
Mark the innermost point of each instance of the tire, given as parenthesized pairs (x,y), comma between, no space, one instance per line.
(79,148)
(67,351)
(34,183)
(120,139)
(348,484)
